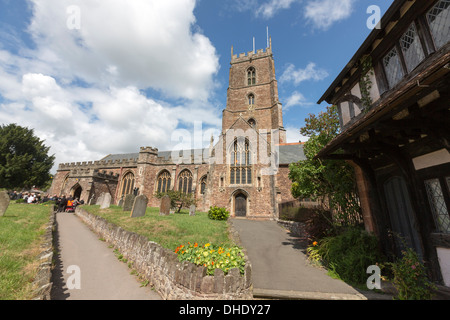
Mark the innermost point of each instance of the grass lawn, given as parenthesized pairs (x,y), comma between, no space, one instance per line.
(169,231)
(21,230)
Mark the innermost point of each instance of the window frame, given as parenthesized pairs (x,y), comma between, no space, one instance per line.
(163,182)
(240,168)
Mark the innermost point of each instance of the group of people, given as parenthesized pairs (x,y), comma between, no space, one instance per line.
(67,204)
(29,197)
(63,203)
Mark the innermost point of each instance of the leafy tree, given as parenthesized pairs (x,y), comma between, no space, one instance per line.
(325,179)
(178,199)
(24,159)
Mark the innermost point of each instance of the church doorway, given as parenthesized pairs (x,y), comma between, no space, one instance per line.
(77,193)
(240,205)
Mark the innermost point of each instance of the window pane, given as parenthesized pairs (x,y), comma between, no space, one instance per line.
(238,175)
(164,185)
(439,21)
(159,185)
(438,206)
(411,47)
(249,175)
(190,185)
(393,67)
(232,181)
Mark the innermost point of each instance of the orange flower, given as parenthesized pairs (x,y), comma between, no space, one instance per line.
(315,243)
(195,245)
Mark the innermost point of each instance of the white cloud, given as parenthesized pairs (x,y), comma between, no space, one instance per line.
(293,135)
(323,13)
(296,99)
(141,43)
(82,90)
(270,8)
(309,73)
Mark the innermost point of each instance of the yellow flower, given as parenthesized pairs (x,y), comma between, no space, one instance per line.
(207,245)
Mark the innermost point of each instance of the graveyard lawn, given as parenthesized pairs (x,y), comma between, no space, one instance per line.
(169,231)
(21,231)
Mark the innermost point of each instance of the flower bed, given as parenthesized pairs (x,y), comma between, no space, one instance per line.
(212,257)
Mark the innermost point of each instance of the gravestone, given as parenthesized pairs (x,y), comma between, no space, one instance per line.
(128,202)
(139,206)
(4,202)
(100,199)
(120,204)
(106,202)
(164,208)
(192,210)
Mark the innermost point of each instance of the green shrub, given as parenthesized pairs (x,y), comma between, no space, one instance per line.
(348,254)
(217,213)
(410,278)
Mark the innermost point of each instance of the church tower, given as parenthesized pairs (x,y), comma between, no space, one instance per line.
(253,93)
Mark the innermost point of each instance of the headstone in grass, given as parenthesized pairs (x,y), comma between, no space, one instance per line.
(106,202)
(4,202)
(120,204)
(139,206)
(129,201)
(100,199)
(164,208)
(192,210)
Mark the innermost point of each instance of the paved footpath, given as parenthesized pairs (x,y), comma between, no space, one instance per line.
(101,275)
(280,268)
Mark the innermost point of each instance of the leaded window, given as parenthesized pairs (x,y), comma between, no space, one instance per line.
(437,204)
(185,181)
(251,76)
(393,67)
(439,21)
(127,184)
(251,99)
(240,167)
(203,185)
(164,181)
(411,48)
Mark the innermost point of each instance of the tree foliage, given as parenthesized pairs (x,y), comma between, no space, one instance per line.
(325,179)
(178,199)
(24,159)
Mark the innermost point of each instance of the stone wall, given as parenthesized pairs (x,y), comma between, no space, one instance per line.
(43,278)
(172,279)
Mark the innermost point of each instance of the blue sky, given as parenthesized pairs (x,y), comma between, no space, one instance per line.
(94,77)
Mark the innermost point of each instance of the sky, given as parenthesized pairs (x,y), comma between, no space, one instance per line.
(99,77)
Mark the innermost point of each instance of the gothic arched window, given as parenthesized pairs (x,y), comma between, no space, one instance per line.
(240,167)
(203,185)
(251,76)
(164,181)
(251,99)
(127,184)
(185,181)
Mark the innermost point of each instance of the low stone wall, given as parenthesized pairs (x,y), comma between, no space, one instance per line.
(172,279)
(43,279)
(297,229)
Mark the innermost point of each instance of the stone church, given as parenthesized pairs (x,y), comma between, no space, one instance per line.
(245,171)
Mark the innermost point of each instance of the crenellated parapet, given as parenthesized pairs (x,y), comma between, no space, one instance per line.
(92,165)
(260,53)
